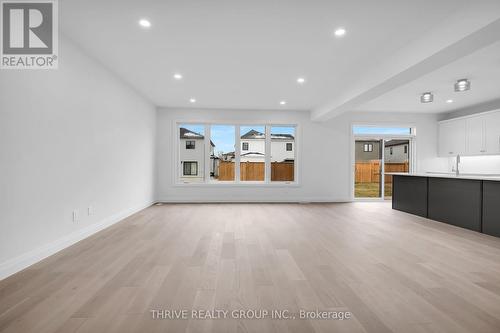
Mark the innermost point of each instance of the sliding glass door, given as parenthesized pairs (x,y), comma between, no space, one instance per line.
(377,152)
(396,159)
(368,168)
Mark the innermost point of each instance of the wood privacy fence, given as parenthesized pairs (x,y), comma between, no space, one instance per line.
(280,171)
(226,170)
(252,170)
(369,171)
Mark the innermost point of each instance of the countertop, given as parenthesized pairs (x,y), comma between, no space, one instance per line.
(448,175)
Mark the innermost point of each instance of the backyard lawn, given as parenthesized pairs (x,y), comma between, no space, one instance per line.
(371,190)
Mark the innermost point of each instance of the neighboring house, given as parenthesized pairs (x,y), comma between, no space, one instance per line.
(227,157)
(252,157)
(367,150)
(253,145)
(192,154)
(396,151)
(214,165)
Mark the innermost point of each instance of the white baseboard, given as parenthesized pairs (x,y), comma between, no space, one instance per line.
(253,200)
(23,261)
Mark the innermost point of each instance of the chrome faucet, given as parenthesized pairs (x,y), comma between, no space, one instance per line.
(455,167)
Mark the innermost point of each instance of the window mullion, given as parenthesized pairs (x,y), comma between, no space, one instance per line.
(237,153)
(267,174)
(179,168)
(207,160)
(296,154)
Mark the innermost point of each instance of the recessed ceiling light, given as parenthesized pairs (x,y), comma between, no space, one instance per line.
(144,23)
(340,32)
(462,85)
(449,101)
(282,102)
(177,76)
(427,97)
(301,80)
(192,100)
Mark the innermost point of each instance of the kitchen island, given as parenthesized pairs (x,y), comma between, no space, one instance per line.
(467,201)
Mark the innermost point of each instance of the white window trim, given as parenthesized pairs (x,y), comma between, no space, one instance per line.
(177,170)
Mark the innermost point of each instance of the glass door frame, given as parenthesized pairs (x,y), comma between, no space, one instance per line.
(412,158)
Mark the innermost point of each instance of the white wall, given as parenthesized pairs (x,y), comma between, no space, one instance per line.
(254,146)
(279,152)
(477,164)
(398,154)
(324,154)
(69,138)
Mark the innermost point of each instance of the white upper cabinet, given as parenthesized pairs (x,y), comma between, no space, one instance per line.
(474,135)
(452,138)
(492,133)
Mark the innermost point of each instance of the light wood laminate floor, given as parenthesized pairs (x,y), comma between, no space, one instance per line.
(393,271)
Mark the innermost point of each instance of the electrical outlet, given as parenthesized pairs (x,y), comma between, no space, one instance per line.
(75,216)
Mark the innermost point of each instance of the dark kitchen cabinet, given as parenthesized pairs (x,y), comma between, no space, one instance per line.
(491,208)
(456,202)
(410,194)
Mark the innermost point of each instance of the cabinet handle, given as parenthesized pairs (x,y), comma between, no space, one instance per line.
(451,153)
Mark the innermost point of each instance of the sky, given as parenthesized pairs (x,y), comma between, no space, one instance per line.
(381,130)
(223,138)
(223,135)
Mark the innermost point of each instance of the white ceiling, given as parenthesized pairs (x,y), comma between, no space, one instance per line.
(482,68)
(248,54)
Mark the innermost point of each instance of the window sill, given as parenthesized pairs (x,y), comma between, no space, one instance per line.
(238,184)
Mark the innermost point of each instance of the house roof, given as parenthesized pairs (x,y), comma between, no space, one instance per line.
(392,143)
(253,134)
(188,134)
(367,141)
(253,153)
